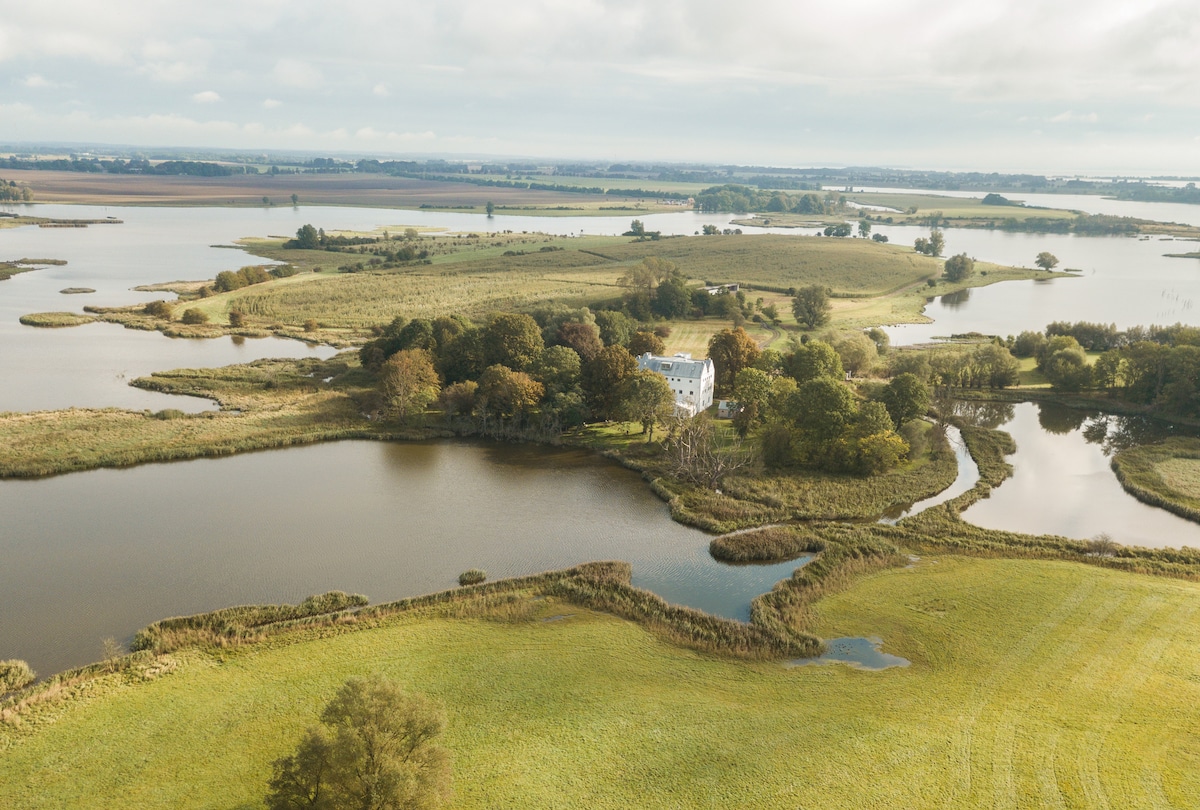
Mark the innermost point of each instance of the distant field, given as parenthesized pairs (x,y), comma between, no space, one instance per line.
(1032,684)
(312,189)
(848,266)
(966,207)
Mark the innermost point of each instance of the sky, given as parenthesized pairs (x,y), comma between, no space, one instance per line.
(1060,87)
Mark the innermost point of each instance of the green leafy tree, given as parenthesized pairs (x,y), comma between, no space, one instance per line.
(812,360)
(959,267)
(307,237)
(558,369)
(646,397)
(512,339)
(905,398)
(377,750)
(811,306)
(491,208)
(615,327)
(857,351)
(1046,260)
(673,298)
(731,350)
(864,228)
(602,379)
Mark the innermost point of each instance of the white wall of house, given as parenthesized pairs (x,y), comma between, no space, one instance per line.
(692,381)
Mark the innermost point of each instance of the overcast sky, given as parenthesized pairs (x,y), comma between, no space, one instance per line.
(1097,86)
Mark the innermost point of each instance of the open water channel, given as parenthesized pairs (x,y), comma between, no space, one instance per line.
(102,553)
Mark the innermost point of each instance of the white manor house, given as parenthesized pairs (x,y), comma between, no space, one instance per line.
(691,380)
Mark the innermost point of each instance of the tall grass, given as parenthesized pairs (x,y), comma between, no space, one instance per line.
(1151,474)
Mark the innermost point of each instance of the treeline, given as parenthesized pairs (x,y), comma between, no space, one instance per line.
(535,185)
(11,192)
(134,166)
(387,252)
(1144,192)
(739,199)
(1085,224)
(1155,366)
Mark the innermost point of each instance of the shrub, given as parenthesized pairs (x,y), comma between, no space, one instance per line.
(237,319)
(311,325)
(194,316)
(159,309)
(472,577)
(15,675)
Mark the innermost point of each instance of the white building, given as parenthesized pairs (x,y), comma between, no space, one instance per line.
(691,380)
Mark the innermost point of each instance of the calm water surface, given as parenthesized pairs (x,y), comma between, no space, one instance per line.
(103,553)
(1062,482)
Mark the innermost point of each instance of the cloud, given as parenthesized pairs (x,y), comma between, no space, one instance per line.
(1072,117)
(35,81)
(294,73)
(272,103)
(380,90)
(206,97)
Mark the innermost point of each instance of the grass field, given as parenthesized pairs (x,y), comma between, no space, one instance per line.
(1032,684)
(478,274)
(970,208)
(1166,475)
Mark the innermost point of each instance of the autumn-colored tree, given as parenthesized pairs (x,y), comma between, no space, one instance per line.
(507,394)
(731,350)
(512,339)
(410,382)
(642,342)
(582,337)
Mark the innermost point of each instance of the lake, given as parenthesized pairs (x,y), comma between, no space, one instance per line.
(102,553)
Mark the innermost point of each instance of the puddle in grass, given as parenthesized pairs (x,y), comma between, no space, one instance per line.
(861,653)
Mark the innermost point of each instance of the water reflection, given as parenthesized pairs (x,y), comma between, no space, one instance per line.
(957,299)
(1063,484)
(94,554)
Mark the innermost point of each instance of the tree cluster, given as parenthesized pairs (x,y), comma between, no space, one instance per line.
(933,246)
(739,199)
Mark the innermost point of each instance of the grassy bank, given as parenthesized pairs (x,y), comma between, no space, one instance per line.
(56,320)
(1166,475)
(1032,683)
(269,403)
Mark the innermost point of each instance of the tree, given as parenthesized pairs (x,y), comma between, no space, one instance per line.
(642,342)
(558,369)
(582,337)
(603,376)
(410,382)
(646,397)
(937,241)
(194,316)
(637,228)
(731,350)
(933,245)
(615,327)
(507,394)
(959,267)
(295,199)
(812,360)
(672,299)
(307,238)
(905,398)
(512,339)
(857,351)
(376,751)
(491,207)
(811,306)
(695,455)
(1046,260)
(864,228)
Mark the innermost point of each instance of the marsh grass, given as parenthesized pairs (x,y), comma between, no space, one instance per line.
(1166,475)
(769,544)
(55,320)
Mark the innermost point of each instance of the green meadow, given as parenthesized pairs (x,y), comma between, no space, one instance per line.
(1032,683)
